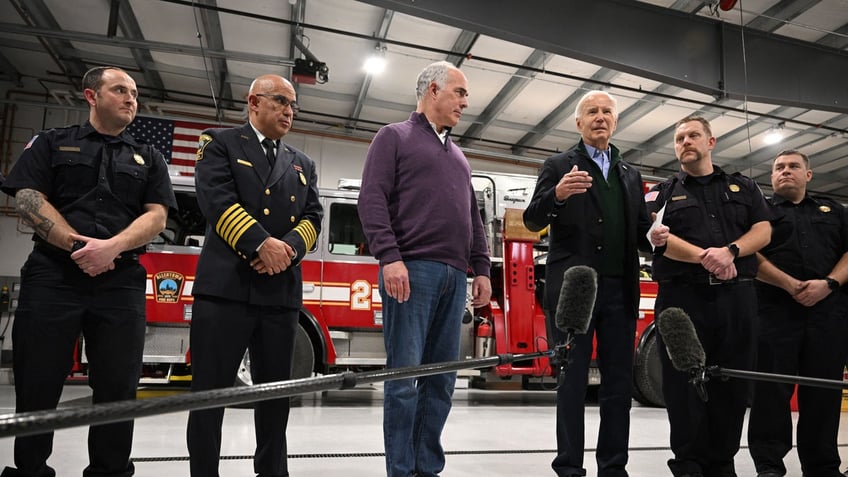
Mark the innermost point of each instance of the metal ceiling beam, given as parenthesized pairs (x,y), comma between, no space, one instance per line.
(151,45)
(561,112)
(37,14)
(795,141)
(780,13)
(665,137)
(131,29)
(641,109)
(9,72)
(112,27)
(464,42)
(382,32)
(823,183)
(516,84)
(752,128)
(117,60)
(784,10)
(689,6)
(689,51)
(297,15)
(211,22)
(837,39)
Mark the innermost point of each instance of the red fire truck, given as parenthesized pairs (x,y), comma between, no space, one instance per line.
(341,319)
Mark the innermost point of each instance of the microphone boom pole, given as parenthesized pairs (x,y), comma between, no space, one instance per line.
(719,372)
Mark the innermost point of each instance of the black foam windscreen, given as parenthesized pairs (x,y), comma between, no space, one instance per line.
(681,340)
(576,299)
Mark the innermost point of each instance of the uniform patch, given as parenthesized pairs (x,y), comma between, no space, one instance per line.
(297,168)
(678,197)
(651,196)
(824,208)
(138,159)
(169,285)
(29,144)
(204,141)
(733,188)
(302,178)
(69,148)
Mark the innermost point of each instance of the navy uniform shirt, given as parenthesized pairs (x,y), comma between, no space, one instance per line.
(808,238)
(98,183)
(708,211)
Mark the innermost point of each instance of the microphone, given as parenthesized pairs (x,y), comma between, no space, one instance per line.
(684,348)
(687,355)
(573,311)
(576,299)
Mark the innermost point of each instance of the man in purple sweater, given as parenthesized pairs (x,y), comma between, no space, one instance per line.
(420,216)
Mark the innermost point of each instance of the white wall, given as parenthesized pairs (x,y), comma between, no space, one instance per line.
(335,157)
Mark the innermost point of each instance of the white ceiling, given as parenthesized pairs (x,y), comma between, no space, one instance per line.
(46,44)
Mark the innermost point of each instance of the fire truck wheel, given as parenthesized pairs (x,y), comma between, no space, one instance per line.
(304,360)
(647,373)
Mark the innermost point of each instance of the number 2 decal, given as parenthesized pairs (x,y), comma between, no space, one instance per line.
(360,295)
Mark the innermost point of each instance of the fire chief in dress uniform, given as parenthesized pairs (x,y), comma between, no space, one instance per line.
(260,200)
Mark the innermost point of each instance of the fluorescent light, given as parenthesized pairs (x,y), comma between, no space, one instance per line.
(375,64)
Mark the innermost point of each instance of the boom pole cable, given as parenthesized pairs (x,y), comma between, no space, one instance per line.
(39,422)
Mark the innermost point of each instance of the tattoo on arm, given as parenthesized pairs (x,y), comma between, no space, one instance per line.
(29,204)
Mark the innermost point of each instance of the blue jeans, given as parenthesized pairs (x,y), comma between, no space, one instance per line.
(424,329)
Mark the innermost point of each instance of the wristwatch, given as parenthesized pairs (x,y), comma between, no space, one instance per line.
(832,283)
(734,249)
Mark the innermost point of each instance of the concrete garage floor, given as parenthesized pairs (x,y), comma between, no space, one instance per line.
(491,433)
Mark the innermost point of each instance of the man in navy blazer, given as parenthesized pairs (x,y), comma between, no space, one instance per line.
(260,200)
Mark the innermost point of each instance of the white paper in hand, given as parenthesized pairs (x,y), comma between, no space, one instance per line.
(655,225)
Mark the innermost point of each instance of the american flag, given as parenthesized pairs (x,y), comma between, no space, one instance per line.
(176,140)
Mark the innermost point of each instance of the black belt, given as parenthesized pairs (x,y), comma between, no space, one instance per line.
(704,280)
(56,252)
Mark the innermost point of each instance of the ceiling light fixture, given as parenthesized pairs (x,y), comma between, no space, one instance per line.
(774,134)
(376,63)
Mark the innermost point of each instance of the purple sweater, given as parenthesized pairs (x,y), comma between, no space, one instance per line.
(417,202)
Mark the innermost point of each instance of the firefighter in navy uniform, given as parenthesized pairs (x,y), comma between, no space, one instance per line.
(260,200)
(94,197)
(717,222)
(802,324)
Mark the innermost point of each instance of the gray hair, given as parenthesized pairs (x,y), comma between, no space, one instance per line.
(434,73)
(593,92)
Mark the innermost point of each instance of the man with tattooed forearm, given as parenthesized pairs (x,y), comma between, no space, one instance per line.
(94,198)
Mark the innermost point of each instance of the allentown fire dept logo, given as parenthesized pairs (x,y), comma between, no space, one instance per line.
(169,285)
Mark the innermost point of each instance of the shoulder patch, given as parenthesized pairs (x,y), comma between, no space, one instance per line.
(204,141)
(651,196)
(29,144)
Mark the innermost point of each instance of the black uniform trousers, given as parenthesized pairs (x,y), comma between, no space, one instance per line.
(615,325)
(221,331)
(806,341)
(58,301)
(705,435)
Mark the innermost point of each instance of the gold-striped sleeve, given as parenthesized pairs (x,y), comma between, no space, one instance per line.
(233,223)
(307,232)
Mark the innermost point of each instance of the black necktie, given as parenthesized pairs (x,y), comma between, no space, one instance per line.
(269,150)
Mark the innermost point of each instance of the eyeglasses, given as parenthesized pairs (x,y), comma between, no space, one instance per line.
(282,101)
